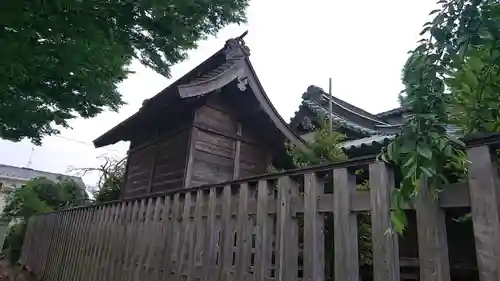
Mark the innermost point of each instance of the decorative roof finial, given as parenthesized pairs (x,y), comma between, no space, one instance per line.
(236,48)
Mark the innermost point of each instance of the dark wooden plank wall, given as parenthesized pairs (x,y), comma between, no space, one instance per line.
(157,166)
(223,148)
(206,233)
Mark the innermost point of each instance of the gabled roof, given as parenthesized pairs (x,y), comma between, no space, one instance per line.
(228,64)
(344,114)
(25,174)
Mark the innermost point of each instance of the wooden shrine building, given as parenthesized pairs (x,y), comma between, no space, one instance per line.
(212,125)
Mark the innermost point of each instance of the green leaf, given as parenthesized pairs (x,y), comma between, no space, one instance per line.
(427,171)
(433,12)
(425,152)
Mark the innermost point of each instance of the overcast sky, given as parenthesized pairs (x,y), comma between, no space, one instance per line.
(362,45)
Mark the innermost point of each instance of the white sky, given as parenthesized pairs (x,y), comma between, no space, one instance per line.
(361,44)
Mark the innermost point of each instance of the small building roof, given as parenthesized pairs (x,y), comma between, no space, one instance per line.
(230,63)
(24,174)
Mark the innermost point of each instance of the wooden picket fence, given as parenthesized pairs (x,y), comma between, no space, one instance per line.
(262,228)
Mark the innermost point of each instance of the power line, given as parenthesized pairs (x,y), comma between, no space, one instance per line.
(86,143)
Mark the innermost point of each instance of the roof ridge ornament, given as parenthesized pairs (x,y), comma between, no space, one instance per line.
(235,48)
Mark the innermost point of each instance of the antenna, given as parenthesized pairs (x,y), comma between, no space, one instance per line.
(31,156)
(330,103)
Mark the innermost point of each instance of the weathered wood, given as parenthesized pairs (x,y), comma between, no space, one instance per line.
(345,225)
(237,154)
(287,252)
(432,244)
(226,236)
(188,173)
(314,252)
(263,233)
(243,237)
(196,252)
(209,248)
(176,236)
(485,203)
(384,238)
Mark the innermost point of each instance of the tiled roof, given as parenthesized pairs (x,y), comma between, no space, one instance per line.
(13,172)
(368,141)
(318,109)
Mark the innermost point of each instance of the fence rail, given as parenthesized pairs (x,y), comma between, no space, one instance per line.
(263,228)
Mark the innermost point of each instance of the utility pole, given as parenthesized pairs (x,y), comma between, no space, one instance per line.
(330,103)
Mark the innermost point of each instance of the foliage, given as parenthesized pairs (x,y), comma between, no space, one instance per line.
(36,196)
(324,148)
(111,179)
(63,58)
(451,78)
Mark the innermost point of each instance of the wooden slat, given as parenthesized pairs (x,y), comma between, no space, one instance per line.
(263,233)
(314,237)
(196,253)
(226,236)
(122,266)
(156,242)
(176,238)
(70,241)
(431,230)
(485,201)
(384,239)
(104,265)
(345,227)
(116,241)
(138,249)
(243,238)
(168,235)
(287,233)
(209,248)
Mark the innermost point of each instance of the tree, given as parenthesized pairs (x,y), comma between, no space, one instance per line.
(451,78)
(326,148)
(39,195)
(63,58)
(111,179)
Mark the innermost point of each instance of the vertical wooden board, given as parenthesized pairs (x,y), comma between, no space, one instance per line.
(108,235)
(314,238)
(113,227)
(147,236)
(243,237)
(88,232)
(166,240)
(118,241)
(122,268)
(226,236)
(186,237)
(209,247)
(287,231)
(27,242)
(431,232)
(196,253)
(153,255)
(101,240)
(54,247)
(138,243)
(346,227)
(45,249)
(263,233)
(384,239)
(97,243)
(176,237)
(83,235)
(484,191)
(67,244)
(77,220)
(131,225)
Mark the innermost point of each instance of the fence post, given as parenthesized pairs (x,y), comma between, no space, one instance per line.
(485,197)
(314,238)
(287,231)
(345,227)
(385,242)
(431,232)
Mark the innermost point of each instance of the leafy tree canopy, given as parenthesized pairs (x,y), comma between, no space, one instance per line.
(451,81)
(41,195)
(63,58)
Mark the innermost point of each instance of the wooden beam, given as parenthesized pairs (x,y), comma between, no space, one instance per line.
(314,236)
(188,173)
(237,154)
(431,232)
(345,227)
(384,239)
(485,197)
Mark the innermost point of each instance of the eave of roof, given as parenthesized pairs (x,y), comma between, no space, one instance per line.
(225,64)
